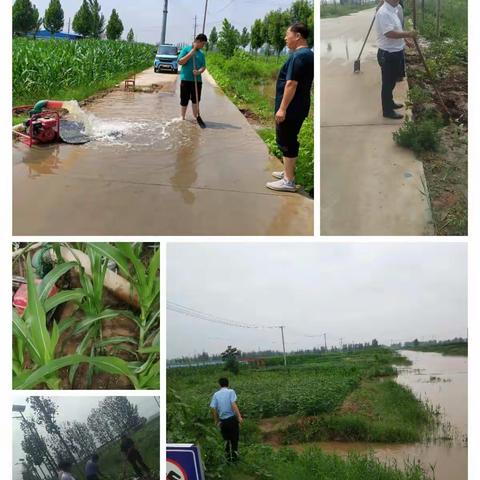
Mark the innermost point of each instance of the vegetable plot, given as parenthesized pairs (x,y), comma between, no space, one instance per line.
(75,332)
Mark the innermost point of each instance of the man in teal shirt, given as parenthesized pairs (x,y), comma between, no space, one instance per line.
(192,60)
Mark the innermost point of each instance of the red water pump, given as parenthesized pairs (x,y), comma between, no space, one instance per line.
(41,128)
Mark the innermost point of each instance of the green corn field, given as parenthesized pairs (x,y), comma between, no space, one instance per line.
(46,69)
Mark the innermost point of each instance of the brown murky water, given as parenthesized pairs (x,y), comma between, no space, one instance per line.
(442,381)
(146,172)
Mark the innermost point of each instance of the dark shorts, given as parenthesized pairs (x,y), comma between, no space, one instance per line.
(187,92)
(287,136)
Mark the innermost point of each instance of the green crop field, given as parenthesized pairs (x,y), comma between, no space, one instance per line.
(66,70)
(457,349)
(319,397)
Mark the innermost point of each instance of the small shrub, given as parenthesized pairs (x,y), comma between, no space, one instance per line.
(421,135)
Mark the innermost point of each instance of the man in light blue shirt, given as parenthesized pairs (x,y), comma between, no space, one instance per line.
(192,60)
(227,415)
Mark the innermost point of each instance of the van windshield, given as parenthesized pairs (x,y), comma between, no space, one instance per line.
(167,50)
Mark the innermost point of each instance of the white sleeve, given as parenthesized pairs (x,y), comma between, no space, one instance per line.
(385,23)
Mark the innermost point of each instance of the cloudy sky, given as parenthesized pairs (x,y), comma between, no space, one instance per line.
(145,16)
(354,292)
(70,408)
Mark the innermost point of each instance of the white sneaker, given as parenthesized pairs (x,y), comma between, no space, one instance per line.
(278,175)
(282,186)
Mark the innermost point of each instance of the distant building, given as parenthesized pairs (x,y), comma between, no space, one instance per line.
(46,35)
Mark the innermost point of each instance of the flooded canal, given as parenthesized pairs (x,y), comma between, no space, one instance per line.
(442,381)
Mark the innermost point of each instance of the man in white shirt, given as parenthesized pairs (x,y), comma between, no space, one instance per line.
(65,470)
(391,41)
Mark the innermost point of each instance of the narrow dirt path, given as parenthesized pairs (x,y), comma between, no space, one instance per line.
(369,185)
(149,173)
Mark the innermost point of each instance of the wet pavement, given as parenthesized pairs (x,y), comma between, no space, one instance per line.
(442,381)
(369,185)
(147,172)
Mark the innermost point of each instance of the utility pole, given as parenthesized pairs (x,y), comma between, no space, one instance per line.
(325,339)
(205,16)
(341,343)
(195,28)
(69,26)
(284,352)
(164,26)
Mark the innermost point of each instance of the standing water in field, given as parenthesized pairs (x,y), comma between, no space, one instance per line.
(442,382)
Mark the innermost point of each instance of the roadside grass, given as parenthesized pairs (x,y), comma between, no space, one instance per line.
(441,145)
(454,348)
(147,441)
(249,81)
(265,463)
(332,10)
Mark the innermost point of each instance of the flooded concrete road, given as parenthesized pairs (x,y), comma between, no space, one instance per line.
(369,185)
(442,381)
(147,172)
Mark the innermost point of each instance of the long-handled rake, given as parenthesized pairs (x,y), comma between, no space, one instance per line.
(200,122)
(356,63)
(432,79)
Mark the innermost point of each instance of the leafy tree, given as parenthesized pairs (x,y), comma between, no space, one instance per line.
(54,17)
(37,22)
(23,17)
(374,342)
(130,36)
(213,38)
(230,357)
(416,342)
(99,426)
(81,438)
(276,24)
(257,35)
(229,39)
(82,21)
(302,11)
(120,414)
(114,26)
(244,37)
(97,19)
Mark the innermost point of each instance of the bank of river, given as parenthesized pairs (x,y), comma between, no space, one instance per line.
(442,382)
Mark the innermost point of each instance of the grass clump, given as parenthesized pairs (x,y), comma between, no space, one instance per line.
(451,348)
(420,135)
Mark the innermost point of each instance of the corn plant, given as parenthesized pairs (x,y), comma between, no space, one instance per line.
(42,69)
(34,349)
(145,283)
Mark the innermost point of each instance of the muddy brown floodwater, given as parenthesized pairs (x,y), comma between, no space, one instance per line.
(442,381)
(148,173)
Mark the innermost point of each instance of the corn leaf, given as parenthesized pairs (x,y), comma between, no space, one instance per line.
(63,297)
(51,278)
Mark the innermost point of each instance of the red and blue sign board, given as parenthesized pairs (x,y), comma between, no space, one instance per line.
(184,462)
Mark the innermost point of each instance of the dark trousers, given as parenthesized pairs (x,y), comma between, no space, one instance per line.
(287,136)
(391,64)
(231,433)
(137,463)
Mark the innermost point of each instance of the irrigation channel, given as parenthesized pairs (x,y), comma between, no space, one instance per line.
(442,381)
(148,172)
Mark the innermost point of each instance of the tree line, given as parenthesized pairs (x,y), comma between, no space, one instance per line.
(88,22)
(72,440)
(268,32)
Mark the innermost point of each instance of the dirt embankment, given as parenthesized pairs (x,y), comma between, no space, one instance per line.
(446,170)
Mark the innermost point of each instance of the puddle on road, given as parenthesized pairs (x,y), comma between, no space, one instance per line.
(442,381)
(344,49)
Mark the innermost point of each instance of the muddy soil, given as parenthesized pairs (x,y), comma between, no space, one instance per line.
(446,171)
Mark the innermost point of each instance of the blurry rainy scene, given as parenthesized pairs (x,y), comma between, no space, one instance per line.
(86,438)
(85,316)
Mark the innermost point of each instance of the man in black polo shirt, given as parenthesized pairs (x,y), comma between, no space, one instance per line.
(292,103)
